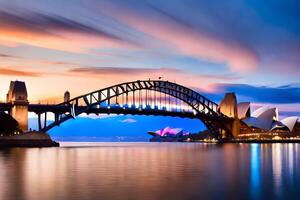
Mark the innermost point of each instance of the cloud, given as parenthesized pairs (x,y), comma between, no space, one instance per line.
(6,56)
(258,40)
(49,24)
(55,32)
(121,70)
(12,72)
(146,72)
(180,36)
(288,114)
(129,120)
(287,94)
(115,75)
(101,116)
(284,60)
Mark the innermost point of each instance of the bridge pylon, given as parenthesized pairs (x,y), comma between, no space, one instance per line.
(17,96)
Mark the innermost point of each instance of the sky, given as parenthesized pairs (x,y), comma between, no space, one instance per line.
(117,128)
(250,47)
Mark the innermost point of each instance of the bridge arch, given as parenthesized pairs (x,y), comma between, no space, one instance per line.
(205,109)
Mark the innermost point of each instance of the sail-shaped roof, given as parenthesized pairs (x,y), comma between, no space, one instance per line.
(259,111)
(243,110)
(290,122)
(264,119)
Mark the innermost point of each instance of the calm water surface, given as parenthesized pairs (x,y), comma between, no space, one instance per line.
(150,171)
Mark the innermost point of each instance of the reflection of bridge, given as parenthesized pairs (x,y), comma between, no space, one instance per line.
(148,97)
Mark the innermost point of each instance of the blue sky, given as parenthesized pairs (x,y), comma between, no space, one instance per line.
(110,127)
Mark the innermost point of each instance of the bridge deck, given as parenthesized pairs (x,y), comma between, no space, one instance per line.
(42,108)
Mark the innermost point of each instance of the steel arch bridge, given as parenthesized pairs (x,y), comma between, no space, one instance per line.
(136,94)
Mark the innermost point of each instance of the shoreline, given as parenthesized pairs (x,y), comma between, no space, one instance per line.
(264,141)
(29,139)
(28,143)
(249,141)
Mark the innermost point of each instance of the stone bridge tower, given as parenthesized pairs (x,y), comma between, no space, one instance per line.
(17,96)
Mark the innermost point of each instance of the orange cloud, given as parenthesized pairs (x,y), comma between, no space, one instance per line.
(12,72)
(55,32)
(71,42)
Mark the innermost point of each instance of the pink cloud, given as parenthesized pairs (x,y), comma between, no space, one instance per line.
(188,41)
(64,40)
(56,33)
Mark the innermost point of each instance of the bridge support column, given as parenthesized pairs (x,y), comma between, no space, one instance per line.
(45,120)
(56,117)
(39,122)
(17,96)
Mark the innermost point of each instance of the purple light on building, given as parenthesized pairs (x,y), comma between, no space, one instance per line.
(171,131)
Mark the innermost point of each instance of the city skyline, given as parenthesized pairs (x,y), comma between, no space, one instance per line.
(251,47)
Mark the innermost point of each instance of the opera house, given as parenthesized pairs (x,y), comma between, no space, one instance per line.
(169,134)
(262,122)
(265,118)
(168,131)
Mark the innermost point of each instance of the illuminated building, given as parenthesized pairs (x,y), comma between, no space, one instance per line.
(261,123)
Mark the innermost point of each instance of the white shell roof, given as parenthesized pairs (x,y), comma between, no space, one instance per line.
(269,114)
(258,123)
(243,108)
(289,122)
(259,111)
(264,119)
(276,114)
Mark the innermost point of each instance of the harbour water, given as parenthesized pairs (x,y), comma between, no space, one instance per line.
(150,171)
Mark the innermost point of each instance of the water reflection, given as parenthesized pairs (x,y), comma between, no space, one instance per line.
(255,170)
(291,149)
(150,171)
(277,166)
